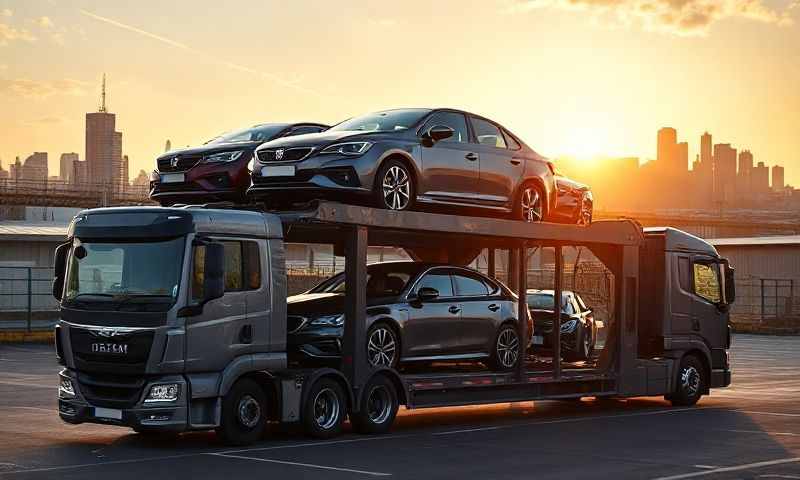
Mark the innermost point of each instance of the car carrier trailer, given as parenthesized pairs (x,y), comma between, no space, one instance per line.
(215,359)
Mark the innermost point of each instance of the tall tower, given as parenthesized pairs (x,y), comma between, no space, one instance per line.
(665,155)
(777,178)
(103,146)
(168,145)
(705,149)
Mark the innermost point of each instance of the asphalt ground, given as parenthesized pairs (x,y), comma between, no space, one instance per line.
(749,430)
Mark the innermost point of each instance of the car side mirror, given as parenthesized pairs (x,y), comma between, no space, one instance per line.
(730,284)
(214,270)
(438,133)
(426,294)
(60,269)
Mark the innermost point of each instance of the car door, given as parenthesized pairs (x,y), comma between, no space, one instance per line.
(708,320)
(499,169)
(449,166)
(432,325)
(480,312)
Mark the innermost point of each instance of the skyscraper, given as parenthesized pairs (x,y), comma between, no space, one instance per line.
(759,181)
(65,165)
(665,154)
(744,176)
(777,179)
(724,173)
(34,168)
(103,146)
(705,150)
(681,154)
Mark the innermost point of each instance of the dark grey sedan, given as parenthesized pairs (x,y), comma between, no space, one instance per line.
(410,158)
(416,312)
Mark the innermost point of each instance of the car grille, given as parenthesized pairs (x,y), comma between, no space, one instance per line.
(294,323)
(184,162)
(286,154)
(133,362)
(111,390)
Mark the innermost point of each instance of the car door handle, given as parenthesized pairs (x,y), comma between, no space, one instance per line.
(515,161)
(471,157)
(494,307)
(454,309)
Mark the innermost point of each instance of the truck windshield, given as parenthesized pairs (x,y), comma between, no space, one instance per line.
(124,276)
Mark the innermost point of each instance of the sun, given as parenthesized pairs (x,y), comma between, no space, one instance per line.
(586,143)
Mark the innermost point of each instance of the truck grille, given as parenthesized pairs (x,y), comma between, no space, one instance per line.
(286,154)
(111,390)
(89,358)
(181,162)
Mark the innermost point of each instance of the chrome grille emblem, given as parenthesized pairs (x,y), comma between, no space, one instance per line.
(279,154)
(173,162)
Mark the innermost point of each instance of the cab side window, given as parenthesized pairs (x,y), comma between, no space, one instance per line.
(706,281)
(242,267)
(454,120)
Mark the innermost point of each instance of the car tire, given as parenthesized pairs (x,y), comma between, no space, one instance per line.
(244,413)
(585,213)
(325,409)
(394,186)
(506,349)
(529,205)
(583,345)
(383,346)
(378,407)
(690,384)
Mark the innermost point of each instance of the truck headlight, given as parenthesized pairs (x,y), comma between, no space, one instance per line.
(569,326)
(329,321)
(65,388)
(165,392)
(223,157)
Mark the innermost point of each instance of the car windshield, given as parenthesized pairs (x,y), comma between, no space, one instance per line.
(381,282)
(129,274)
(388,121)
(545,301)
(261,133)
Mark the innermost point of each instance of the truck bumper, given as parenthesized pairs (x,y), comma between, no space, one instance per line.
(166,416)
(720,378)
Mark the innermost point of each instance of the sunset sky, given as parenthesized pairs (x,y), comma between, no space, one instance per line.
(571,77)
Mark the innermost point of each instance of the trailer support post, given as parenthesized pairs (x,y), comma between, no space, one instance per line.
(354,363)
(490,260)
(558,281)
(522,307)
(513,267)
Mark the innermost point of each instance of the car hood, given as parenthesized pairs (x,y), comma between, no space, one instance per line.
(211,148)
(317,304)
(323,139)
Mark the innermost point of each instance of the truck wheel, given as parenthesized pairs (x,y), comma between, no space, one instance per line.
(691,382)
(244,413)
(324,410)
(506,351)
(379,407)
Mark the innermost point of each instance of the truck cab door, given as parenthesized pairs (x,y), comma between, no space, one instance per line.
(709,314)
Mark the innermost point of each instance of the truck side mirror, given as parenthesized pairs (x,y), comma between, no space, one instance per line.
(214,269)
(60,269)
(730,284)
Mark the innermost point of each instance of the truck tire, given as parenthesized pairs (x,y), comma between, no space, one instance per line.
(244,413)
(378,408)
(691,382)
(325,409)
(506,350)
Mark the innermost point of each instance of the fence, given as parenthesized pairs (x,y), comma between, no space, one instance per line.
(760,300)
(26,300)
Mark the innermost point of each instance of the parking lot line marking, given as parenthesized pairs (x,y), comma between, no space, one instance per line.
(785,434)
(34,385)
(306,465)
(706,467)
(99,464)
(735,468)
(312,444)
(777,414)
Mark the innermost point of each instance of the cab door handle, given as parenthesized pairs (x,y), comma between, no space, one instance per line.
(515,161)
(454,309)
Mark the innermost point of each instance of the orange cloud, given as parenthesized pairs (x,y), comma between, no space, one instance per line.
(41,89)
(10,34)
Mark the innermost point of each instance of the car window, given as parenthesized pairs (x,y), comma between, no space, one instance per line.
(454,120)
(438,280)
(469,286)
(487,133)
(706,281)
(512,143)
(304,130)
(569,306)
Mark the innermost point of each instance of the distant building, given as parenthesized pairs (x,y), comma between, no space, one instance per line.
(34,168)
(103,147)
(141,180)
(4,174)
(706,158)
(80,172)
(778,183)
(724,173)
(124,177)
(681,159)
(168,145)
(759,181)
(65,165)
(665,154)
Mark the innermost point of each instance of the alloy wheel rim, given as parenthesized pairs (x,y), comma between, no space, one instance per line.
(396,188)
(379,405)
(381,347)
(508,347)
(586,345)
(249,411)
(326,409)
(690,381)
(531,205)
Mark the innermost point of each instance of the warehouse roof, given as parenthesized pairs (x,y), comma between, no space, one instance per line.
(11,231)
(756,241)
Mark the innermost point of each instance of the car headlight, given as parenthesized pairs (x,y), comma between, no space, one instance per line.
(223,157)
(65,388)
(251,164)
(165,392)
(328,321)
(569,326)
(154,176)
(349,148)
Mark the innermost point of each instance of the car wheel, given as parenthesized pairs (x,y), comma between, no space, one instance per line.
(383,346)
(325,409)
(585,213)
(394,186)
(506,351)
(244,413)
(691,382)
(529,206)
(379,407)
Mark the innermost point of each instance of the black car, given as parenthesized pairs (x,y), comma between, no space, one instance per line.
(416,312)
(575,202)
(578,327)
(399,159)
(218,169)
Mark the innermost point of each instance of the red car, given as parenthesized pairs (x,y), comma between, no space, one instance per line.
(217,170)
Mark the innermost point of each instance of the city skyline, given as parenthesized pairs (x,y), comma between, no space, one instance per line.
(566,81)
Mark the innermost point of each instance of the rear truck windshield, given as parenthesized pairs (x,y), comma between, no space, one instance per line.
(124,276)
